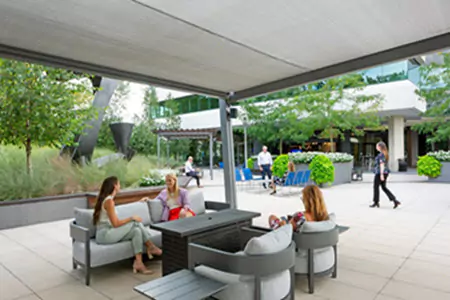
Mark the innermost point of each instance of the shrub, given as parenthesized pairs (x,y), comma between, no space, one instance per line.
(280,165)
(152,179)
(322,169)
(429,166)
(443,156)
(307,157)
(250,163)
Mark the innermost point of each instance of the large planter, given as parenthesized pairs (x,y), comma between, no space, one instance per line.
(445,174)
(342,172)
(15,213)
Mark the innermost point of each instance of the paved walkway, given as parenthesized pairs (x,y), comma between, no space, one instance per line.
(387,254)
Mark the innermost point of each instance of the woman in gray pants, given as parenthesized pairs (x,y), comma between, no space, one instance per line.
(111,230)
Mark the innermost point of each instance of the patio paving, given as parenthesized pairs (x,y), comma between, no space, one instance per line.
(387,254)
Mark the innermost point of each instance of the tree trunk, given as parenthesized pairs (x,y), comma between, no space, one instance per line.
(331,142)
(281,146)
(28,153)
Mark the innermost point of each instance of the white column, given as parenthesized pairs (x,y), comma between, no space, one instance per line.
(396,141)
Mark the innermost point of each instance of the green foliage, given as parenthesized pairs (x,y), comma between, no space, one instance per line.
(152,179)
(54,175)
(280,165)
(428,166)
(434,87)
(443,156)
(250,163)
(330,107)
(307,157)
(337,107)
(41,106)
(322,170)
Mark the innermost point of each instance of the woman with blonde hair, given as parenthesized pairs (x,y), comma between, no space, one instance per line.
(174,200)
(381,171)
(315,210)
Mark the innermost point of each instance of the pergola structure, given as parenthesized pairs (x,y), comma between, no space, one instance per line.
(197,134)
(228,49)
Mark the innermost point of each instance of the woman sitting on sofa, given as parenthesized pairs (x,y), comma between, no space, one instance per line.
(315,210)
(111,230)
(174,200)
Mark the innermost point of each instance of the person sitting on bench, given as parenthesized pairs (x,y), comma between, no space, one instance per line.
(190,171)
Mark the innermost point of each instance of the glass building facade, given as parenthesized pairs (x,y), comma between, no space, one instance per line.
(402,70)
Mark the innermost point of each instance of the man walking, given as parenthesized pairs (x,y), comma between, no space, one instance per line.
(265,165)
(190,171)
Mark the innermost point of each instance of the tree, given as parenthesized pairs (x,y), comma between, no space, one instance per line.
(434,88)
(41,106)
(336,107)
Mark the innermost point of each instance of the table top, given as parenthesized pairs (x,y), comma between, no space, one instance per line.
(204,222)
(182,285)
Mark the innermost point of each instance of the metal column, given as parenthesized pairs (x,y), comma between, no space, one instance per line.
(211,155)
(227,153)
(245,145)
(168,150)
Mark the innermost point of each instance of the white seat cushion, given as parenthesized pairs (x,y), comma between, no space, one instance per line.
(272,287)
(271,242)
(323,260)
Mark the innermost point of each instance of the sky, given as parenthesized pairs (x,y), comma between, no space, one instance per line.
(135,99)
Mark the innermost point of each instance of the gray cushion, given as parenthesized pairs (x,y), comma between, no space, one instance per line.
(106,254)
(197,201)
(242,287)
(134,209)
(84,218)
(319,226)
(323,260)
(156,210)
(271,242)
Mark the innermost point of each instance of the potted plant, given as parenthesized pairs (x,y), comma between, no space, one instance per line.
(322,170)
(280,165)
(429,166)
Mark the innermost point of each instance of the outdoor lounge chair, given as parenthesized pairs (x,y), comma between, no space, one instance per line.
(316,245)
(248,176)
(263,270)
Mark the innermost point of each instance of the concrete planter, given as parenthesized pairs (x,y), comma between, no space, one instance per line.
(445,174)
(342,172)
(23,212)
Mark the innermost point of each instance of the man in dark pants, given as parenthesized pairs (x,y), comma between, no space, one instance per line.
(190,171)
(265,165)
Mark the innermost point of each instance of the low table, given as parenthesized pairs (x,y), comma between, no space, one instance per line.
(219,230)
(182,285)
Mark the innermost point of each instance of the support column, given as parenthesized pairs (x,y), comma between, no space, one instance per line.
(211,156)
(414,153)
(228,154)
(168,149)
(245,146)
(396,141)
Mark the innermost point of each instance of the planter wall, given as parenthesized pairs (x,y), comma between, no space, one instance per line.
(128,196)
(445,174)
(342,172)
(25,212)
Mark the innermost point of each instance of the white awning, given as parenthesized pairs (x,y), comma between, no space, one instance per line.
(215,47)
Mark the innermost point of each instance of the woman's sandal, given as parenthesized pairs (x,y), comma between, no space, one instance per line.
(153,251)
(141,268)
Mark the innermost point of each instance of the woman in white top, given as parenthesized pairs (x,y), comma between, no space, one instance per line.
(111,230)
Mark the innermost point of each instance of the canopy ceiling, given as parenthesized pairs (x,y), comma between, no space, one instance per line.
(215,47)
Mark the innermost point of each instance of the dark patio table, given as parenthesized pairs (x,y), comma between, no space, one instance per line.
(219,230)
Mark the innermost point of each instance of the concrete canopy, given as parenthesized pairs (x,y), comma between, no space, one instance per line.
(217,47)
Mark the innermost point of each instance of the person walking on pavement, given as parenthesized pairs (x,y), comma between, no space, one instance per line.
(381,171)
(265,165)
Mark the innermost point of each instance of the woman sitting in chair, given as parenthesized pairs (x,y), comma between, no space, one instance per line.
(174,200)
(315,210)
(277,180)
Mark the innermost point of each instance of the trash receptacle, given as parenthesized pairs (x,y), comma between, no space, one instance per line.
(402,165)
